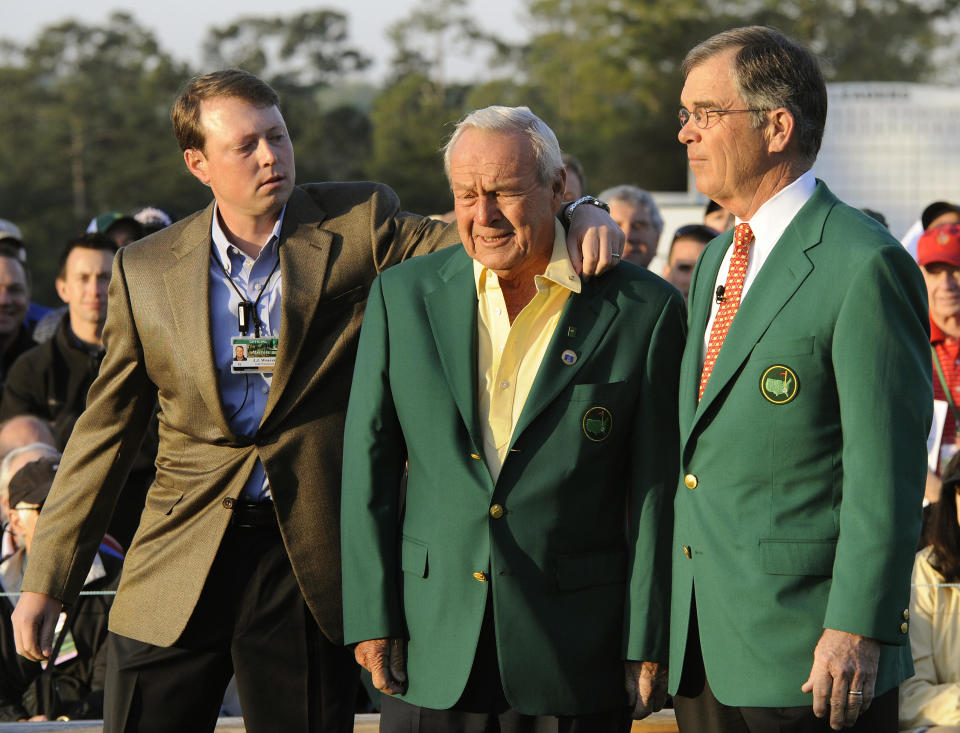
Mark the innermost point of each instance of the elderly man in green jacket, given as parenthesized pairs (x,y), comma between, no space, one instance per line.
(525,572)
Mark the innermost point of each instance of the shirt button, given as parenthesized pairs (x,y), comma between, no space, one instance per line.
(256,286)
(504,385)
(265,389)
(498,311)
(234,251)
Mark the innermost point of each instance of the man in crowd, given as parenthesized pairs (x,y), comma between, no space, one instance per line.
(236,562)
(688,242)
(717,217)
(938,254)
(530,432)
(805,402)
(637,214)
(72,685)
(22,430)
(51,380)
(15,335)
(17,434)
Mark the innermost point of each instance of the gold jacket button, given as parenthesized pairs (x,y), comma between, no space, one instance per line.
(686,551)
(475,456)
(690,481)
(496,511)
(228,503)
(482,577)
(904,627)
(906,614)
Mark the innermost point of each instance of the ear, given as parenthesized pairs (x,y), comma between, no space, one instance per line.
(558,187)
(61,288)
(197,164)
(780,130)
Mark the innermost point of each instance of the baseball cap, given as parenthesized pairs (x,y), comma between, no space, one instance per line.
(940,245)
(31,484)
(9,230)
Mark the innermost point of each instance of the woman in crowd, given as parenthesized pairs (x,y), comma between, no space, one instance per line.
(930,700)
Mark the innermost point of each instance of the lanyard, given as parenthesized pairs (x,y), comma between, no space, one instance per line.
(246,309)
(946,389)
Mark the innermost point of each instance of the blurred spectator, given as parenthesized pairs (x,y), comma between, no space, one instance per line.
(11,240)
(51,380)
(121,228)
(938,254)
(71,686)
(152,219)
(16,459)
(717,217)
(938,214)
(688,242)
(932,696)
(876,216)
(637,214)
(15,335)
(23,430)
(576,180)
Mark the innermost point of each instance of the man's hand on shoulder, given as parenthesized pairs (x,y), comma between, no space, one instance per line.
(843,676)
(646,684)
(34,620)
(386,661)
(594,241)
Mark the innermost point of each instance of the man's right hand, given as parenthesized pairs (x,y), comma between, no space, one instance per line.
(386,660)
(34,621)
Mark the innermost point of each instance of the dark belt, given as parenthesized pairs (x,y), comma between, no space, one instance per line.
(253,515)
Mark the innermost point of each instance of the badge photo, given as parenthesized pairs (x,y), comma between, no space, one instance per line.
(779,384)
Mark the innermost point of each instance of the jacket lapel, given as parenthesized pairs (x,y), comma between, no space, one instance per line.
(781,275)
(304,253)
(585,319)
(188,290)
(452,312)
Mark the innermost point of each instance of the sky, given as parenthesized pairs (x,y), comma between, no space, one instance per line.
(181,25)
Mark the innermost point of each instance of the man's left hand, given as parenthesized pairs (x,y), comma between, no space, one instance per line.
(843,663)
(646,684)
(594,241)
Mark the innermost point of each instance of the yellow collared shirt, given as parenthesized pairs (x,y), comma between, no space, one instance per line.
(509,356)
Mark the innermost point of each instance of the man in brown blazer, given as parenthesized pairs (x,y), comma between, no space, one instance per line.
(236,563)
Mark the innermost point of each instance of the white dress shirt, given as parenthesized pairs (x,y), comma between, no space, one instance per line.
(768,225)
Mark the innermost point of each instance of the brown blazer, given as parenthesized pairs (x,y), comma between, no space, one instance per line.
(334,241)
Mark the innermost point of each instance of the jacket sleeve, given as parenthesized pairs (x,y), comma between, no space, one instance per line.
(925,699)
(655,462)
(373,460)
(97,458)
(881,363)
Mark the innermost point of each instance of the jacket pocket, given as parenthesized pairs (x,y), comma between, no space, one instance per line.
(413,557)
(587,569)
(798,557)
(605,392)
(162,498)
(784,349)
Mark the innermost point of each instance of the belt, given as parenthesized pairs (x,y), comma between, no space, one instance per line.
(253,515)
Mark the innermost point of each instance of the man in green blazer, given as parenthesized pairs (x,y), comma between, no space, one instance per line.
(235,566)
(529,557)
(803,462)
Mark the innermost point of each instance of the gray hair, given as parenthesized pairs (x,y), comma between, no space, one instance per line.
(546,149)
(773,71)
(45,451)
(635,197)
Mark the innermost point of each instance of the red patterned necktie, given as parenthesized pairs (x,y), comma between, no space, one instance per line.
(732,288)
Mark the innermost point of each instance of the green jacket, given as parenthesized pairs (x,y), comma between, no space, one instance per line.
(578,562)
(803,465)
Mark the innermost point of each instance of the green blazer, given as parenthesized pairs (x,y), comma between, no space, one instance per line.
(576,553)
(803,466)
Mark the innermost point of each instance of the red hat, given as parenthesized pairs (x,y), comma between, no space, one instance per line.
(940,245)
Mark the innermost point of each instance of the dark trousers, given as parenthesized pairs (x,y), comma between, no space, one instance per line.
(699,711)
(483,706)
(251,620)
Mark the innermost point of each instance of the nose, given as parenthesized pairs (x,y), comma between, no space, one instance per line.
(688,132)
(267,154)
(487,211)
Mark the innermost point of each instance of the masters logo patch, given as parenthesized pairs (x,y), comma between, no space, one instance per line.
(779,384)
(597,423)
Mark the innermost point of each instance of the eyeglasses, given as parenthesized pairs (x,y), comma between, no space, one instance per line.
(703,118)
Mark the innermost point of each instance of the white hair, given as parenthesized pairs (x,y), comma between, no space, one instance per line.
(546,149)
(635,197)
